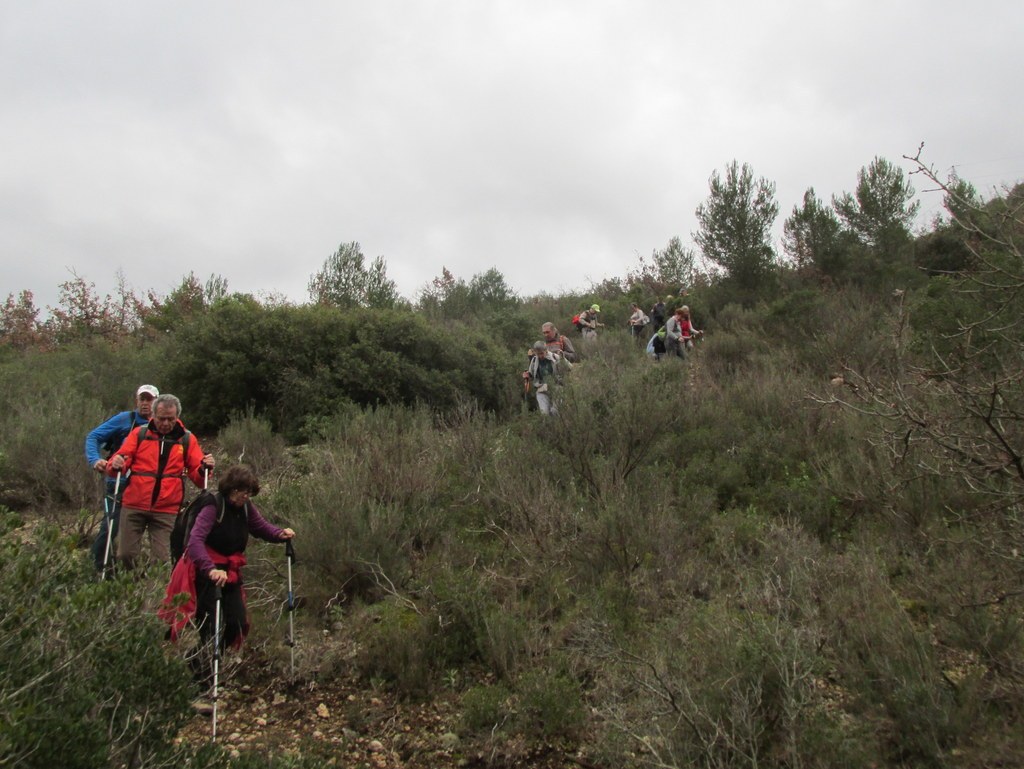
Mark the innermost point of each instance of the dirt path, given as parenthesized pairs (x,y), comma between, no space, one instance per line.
(347,725)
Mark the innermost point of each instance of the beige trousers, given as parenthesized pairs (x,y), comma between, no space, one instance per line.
(133,524)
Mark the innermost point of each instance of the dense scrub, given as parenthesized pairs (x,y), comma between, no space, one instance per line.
(702,564)
(802,547)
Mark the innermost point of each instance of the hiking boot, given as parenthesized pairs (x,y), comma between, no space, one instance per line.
(202,707)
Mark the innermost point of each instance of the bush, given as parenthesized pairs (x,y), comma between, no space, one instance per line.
(550,705)
(250,439)
(43,424)
(374,495)
(84,680)
(289,363)
(890,664)
(485,709)
(731,678)
(48,404)
(614,415)
(395,643)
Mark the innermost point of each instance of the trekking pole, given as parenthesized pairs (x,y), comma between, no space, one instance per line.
(217,595)
(289,552)
(110,525)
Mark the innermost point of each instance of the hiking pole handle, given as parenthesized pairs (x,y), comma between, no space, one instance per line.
(218,596)
(206,477)
(289,552)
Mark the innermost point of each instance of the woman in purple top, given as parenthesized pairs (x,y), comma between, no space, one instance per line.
(216,545)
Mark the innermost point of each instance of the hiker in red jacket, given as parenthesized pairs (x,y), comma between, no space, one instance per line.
(159,455)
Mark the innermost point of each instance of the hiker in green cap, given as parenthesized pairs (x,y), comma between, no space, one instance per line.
(589,323)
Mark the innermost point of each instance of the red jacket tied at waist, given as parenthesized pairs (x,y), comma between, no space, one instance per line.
(178,612)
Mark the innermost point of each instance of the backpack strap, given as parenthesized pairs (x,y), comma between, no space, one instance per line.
(220,502)
(184,441)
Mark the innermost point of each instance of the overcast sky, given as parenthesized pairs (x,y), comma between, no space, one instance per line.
(552,140)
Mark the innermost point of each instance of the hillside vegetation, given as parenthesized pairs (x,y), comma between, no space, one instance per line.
(801,547)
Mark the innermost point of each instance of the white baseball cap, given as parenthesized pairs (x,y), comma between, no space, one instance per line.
(148,390)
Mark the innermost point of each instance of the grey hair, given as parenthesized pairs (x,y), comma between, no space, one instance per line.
(171,400)
(550,325)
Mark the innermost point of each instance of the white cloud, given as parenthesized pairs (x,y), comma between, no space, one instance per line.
(552,140)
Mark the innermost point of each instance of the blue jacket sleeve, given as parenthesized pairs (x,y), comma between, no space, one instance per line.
(117,425)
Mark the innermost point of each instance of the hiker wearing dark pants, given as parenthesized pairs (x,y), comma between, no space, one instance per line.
(658,314)
(637,323)
(214,557)
(233,625)
(159,454)
(103,439)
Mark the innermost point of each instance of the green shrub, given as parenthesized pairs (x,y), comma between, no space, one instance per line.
(84,680)
(550,704)
(48,404)
(289,363)
(394,646)
(614,415)
(890,664)
(250,439)
(485,708)
(477,621)
(374,495)
(43,425)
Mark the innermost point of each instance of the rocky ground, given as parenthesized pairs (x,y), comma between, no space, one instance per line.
(347,725)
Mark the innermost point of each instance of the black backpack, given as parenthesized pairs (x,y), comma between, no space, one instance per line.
(186,518)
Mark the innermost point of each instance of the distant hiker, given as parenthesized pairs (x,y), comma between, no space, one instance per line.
(637,322)
(658,314)
(689,333)
(656,344)
(159,455)
(588,322)
(99,444)
(674,346)
(541,376)
(558,344)
(214,556)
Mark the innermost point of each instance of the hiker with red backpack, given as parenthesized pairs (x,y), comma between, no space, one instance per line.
(158,455)
(588,322)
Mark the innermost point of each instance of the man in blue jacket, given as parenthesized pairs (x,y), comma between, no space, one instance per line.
(99,444)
